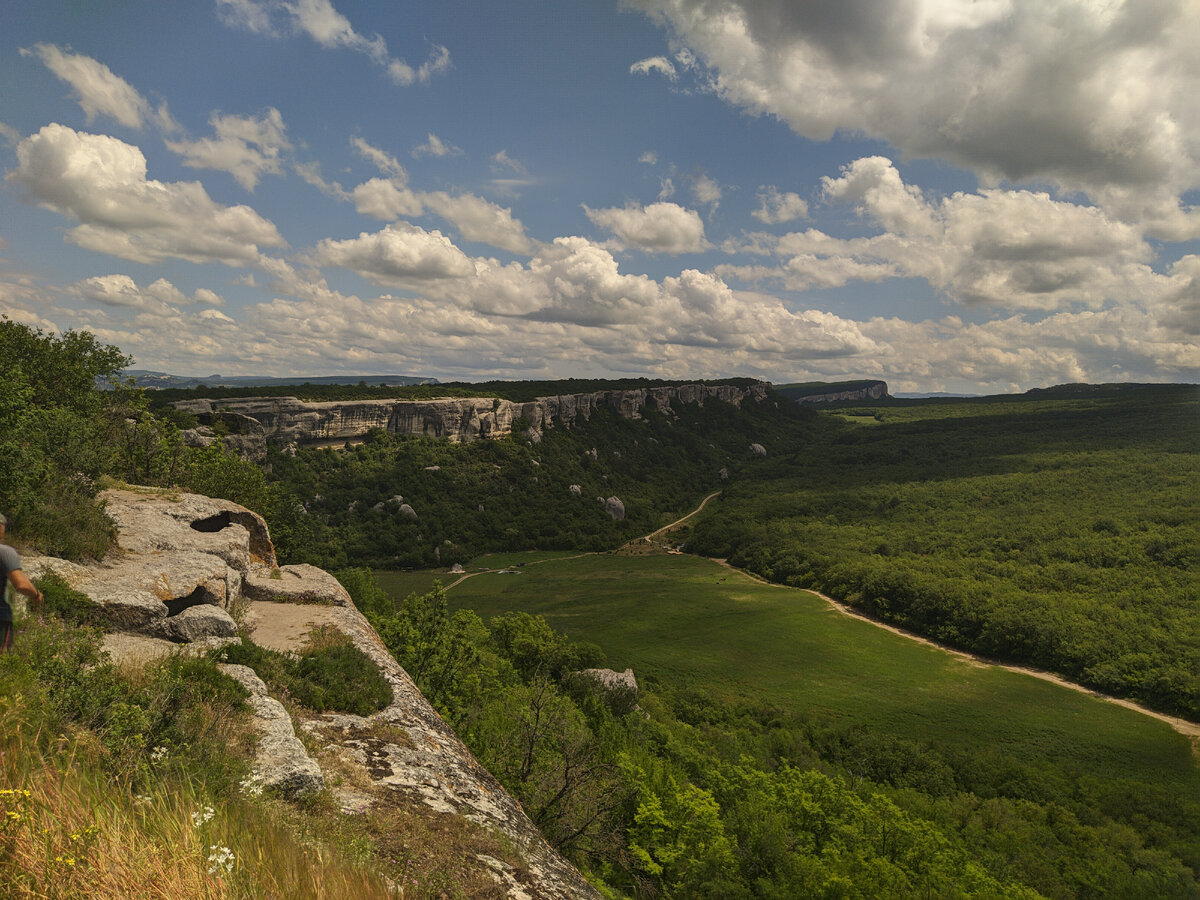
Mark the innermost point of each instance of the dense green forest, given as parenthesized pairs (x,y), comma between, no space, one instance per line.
(516,391)
(516,494)
(1059,529)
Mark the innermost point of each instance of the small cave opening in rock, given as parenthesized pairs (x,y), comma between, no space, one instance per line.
(213,524)
(260,541)
(195,598)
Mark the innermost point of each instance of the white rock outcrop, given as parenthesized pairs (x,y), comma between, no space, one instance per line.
(282,763)
(295,584)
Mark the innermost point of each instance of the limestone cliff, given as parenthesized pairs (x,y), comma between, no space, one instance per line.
(816,393)
(184,561)
(288,420)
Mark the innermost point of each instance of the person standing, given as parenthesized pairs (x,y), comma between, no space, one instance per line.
(10,573)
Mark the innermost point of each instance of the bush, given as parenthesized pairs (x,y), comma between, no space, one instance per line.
(331,675)
(61,600)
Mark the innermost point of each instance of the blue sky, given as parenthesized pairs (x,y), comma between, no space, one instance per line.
(964,196)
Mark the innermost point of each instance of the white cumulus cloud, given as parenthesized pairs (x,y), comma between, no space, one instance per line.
(1012,249)
(98,90)
(480,220)
(101,182)
(435,146)
(246,147)
(159,297)
(400,255)
(776,207)
(1085,94)
(387,199)
(659,64)
(657,228)
(320,21)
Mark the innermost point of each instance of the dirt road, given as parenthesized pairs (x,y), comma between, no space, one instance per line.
(1183,726)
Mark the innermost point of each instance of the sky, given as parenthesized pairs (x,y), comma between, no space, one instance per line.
(977,196)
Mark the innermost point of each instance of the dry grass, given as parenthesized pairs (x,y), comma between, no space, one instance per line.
(70,830)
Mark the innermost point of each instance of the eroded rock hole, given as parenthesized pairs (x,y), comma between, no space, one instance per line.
(260,543)
(213,524)
(195,598)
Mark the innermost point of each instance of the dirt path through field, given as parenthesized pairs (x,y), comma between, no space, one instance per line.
(1183,726)
(461,578)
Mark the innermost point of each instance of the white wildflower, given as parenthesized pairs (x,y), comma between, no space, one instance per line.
(220,860)
(201,816)
(158,754)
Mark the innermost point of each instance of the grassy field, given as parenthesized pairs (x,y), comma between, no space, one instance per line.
(682,622)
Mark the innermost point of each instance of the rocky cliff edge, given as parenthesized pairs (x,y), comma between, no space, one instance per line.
(184,561)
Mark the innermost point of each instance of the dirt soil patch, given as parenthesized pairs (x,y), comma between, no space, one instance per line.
(284,626)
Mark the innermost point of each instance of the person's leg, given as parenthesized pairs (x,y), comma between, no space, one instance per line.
(6,632)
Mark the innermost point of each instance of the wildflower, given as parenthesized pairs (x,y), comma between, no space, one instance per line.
(201,816)
(220,860)
(142,798)
(158,754)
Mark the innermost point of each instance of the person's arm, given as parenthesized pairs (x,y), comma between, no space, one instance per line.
(21,582)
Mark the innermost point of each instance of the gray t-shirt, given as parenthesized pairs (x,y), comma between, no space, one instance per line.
(10,561)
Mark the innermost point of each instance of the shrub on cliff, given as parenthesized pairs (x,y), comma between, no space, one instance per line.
(329,675)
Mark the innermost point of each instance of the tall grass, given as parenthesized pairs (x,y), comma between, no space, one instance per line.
(68,830)
(85,815)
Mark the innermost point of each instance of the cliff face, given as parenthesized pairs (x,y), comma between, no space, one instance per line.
(184,561)
(876,390)
(287,419)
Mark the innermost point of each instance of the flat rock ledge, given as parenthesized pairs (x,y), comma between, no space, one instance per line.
(281,764)
(294,584)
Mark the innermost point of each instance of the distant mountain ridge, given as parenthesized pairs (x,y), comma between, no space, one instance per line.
(146,378)
(457,419)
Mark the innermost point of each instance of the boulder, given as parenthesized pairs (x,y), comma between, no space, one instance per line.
(197,623)
(281,762)
(137,591)
(758,449)
(150,521)
(575,490)
(615,508)
(612,680)
(408,512)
